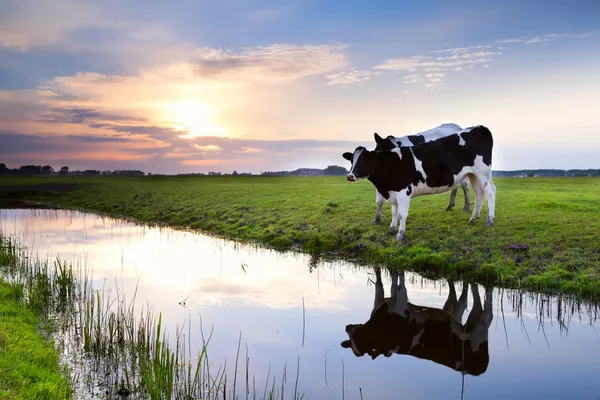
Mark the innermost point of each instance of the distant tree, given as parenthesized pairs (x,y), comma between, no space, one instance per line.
(3,169)
(30,169)
(235,173)
(64,171)
(46,169)
(530,175)
(335,170)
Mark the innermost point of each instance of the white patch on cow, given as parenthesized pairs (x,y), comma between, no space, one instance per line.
(397,151)
(461,141)
(418,165)
(351,175)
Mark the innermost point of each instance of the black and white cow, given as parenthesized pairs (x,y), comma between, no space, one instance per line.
(397,326)
(402,173)
(417,138)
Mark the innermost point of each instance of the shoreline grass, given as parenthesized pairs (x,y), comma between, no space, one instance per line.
(29,361)
(544,238)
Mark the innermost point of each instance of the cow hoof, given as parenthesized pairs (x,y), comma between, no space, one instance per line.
(449,207)
(400,239)
(489,222)
(390,232)
(377,221)
(467,208)
(473,220)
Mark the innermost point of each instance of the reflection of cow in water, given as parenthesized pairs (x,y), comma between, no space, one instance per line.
(398,326)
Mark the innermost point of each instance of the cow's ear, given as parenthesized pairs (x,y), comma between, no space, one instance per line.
(378,139)
(346,344)
(347,156)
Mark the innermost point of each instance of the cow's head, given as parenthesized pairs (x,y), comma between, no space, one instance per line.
(362,163)
(384,333)
(386,144)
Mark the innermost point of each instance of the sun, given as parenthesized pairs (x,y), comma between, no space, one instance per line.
(195,118)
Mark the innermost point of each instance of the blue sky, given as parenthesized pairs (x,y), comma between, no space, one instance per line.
(261,85)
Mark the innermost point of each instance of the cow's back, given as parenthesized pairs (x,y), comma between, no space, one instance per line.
(429,135)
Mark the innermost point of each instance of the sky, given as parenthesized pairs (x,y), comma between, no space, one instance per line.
(252,86)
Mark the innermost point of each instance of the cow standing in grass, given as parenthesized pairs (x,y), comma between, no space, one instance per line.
(412,140)
(402,173)
(398,326)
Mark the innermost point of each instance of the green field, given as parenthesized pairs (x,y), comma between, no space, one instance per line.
(557,219)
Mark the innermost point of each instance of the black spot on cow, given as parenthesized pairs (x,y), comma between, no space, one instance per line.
(416,139)
(408,190)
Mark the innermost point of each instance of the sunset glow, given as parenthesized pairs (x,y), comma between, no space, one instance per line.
(195,119)
(251,93)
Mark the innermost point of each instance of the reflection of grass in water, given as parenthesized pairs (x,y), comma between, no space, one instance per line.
(108,350)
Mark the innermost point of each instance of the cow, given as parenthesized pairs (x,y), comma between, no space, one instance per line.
(402,173)
(417,138)
(397,326)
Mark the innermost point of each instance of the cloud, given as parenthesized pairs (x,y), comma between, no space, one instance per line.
(84,115)
(350,77)
(433,68)
(269,63)
(544,38)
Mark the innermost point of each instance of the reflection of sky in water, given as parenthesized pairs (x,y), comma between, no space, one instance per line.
(265,304)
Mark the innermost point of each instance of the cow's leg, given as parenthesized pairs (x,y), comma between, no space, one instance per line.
(401,306)
(394,287)
(452,201)
(490,193)
(451,303)
(403,200)
(476,312)
(379,201)
(394,224)
(488,307)
(465,187)
(462,301)
(478,189)
(379,294)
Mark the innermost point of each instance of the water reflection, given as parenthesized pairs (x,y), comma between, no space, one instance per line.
(397,326)
(291,308)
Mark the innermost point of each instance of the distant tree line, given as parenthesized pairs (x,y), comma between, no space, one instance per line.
(521,173)
(330,170)
(47,170)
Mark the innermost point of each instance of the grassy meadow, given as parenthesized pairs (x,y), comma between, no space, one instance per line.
(546,234)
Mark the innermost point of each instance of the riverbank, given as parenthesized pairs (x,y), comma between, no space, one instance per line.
(29,361)
(545,235)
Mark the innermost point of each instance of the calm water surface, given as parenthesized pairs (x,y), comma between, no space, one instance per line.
(519,345)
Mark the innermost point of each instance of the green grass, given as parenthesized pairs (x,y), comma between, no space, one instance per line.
(28,361)
(557,218)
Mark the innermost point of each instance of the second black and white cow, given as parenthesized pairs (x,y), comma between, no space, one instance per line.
(397,326)
(412,140)
(402,173)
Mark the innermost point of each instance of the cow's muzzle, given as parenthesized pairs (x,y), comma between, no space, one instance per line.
(351,178)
